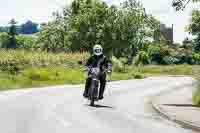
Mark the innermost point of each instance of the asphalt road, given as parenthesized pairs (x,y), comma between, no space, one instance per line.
(62,109)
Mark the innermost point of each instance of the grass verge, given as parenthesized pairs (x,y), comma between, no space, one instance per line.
(196,93)
(54,75)
(40,77)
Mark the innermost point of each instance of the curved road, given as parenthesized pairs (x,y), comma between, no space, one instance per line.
(61,109)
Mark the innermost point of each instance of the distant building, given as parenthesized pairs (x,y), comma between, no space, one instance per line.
(166,33)
(29,28)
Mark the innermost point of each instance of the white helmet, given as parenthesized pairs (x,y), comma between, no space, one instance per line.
(97,50)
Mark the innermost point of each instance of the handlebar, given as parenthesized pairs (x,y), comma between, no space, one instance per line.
(104,71)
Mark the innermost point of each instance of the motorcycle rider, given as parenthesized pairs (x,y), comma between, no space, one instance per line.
(105,64)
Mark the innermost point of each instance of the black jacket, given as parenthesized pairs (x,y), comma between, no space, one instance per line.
(102,60)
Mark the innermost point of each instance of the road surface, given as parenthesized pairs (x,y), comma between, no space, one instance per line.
(61,109)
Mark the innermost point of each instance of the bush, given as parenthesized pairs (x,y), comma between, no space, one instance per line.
(15,61)
(26,41)
(183,55)
(4,40)
(155,54)
(169,60)
(142,58)
(117,65)
(123,60)
(196,58)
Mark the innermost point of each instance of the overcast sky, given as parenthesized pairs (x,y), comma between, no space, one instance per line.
(41,10)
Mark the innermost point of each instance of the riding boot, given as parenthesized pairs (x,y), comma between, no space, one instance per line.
(102,88)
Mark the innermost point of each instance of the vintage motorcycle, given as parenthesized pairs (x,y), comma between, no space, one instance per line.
(93,92)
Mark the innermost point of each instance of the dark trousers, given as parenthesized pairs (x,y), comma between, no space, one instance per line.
(102,79)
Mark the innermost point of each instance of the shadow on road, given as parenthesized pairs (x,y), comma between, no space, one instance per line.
(182,105)
(101,106)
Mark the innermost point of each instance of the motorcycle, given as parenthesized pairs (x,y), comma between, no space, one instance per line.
(93,92)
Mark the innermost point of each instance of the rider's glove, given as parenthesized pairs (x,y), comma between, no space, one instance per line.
(87,68)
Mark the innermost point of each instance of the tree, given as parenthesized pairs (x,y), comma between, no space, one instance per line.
(139,26)
(181,4)
(3,29)
(119,30)
(194,28)
(122,31)
(12,33)
(187,43)
(4,39)
(53,36)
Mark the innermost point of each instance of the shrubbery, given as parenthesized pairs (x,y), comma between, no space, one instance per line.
(168,55)
(154,52)
(169,60)
(15,61)
(142,58)
(118,65)
(4,39)
(196,58)
(26,41)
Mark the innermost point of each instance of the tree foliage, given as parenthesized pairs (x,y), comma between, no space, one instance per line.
(54,35)
(26,41)
(12,33)
(194,28)
(181,4)
(4,39)
(122,31)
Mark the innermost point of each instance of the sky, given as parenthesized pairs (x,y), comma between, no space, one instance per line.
(40,11)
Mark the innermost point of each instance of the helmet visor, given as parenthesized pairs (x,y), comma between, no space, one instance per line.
(97,51)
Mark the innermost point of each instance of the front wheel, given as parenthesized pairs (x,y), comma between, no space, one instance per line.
(93,92)
(92,102)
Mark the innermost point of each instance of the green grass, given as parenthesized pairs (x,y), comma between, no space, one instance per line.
(196,93)
(39,77)
(59,75)
(54,75)
(166,70)
(196,96)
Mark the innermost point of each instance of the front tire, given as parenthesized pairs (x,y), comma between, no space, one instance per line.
(93,92)
(92,102)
